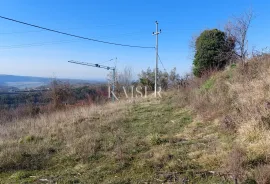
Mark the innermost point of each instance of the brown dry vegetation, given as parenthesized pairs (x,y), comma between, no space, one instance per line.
(216,130)
(237,99)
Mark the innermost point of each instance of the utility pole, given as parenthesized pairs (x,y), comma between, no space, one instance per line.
(114,78)
(156,69)
(113,85)
(99,66)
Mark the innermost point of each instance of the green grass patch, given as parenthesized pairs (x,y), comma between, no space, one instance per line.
(208,84)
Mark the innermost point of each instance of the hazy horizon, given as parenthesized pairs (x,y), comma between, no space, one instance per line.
(98,79)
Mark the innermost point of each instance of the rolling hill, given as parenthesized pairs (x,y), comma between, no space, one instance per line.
(22,82)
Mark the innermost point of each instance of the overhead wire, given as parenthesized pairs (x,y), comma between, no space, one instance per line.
(47,43)
(34,31)
(76,36)
(162,63)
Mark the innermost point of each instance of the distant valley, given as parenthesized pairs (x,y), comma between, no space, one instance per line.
(14,82)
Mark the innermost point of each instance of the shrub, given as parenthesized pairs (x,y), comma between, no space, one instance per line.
(212,51)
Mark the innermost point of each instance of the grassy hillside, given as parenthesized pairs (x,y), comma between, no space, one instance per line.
(116,143)
(214,131)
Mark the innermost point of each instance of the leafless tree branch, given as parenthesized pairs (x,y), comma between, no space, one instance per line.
(238,29)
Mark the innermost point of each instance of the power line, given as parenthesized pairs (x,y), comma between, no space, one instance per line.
(49,43)
(162,64)
(33,31)
(76,36)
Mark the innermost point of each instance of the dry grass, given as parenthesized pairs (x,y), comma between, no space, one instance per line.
(233,107)
(115,143)
(263,174)
(219,124)
(76,128)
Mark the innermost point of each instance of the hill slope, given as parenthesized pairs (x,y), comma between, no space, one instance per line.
(116,143)
(214,131)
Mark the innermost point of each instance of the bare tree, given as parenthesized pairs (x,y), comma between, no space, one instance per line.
(125,77)
(122,78)
(174,77)
(60,94)
(192,45)
(237,29)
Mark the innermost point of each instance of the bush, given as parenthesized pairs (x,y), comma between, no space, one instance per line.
(213,50)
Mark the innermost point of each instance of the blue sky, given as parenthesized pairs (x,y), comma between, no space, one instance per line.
(29,51)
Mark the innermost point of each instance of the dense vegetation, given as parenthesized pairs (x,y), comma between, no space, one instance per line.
(37,98)
(213,51)
(14,100)
(165,80)
(61,96)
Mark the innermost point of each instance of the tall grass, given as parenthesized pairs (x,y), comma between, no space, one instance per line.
(218,125)
(237,98)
